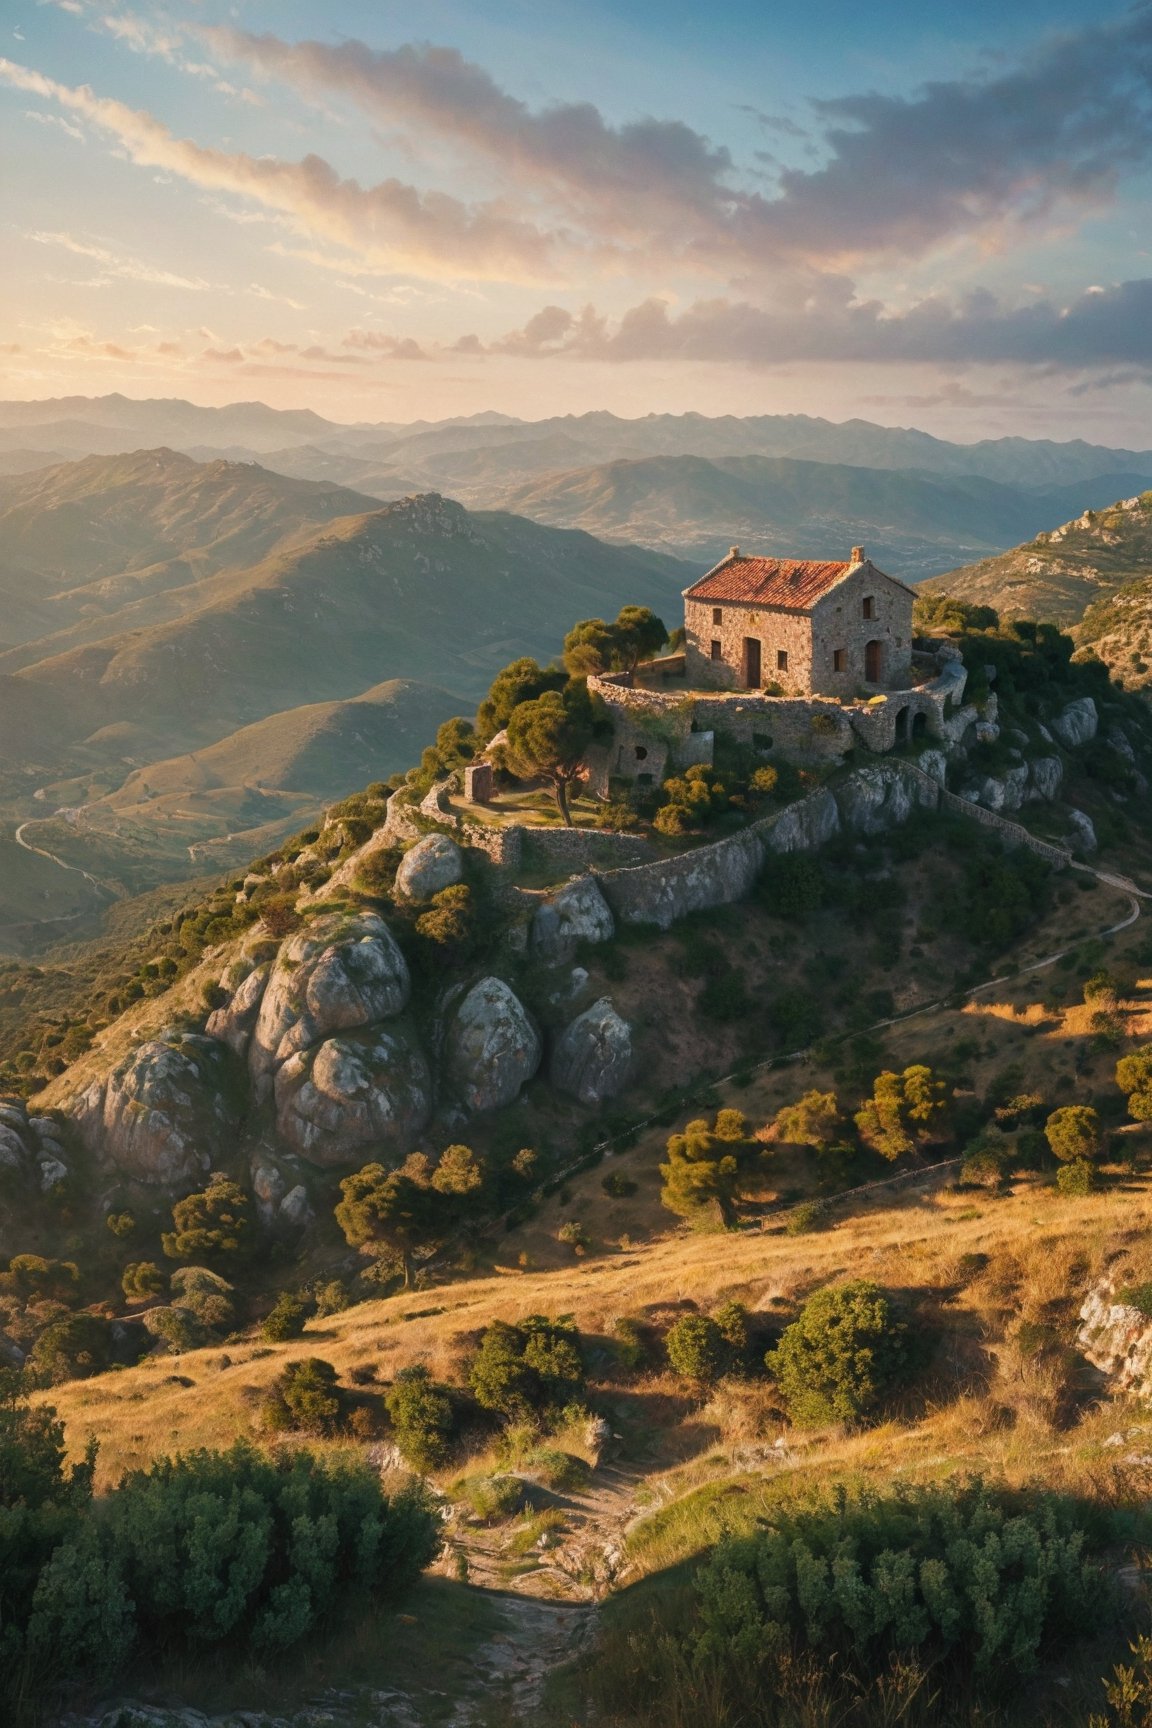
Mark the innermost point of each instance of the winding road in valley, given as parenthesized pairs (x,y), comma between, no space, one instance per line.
(42,852)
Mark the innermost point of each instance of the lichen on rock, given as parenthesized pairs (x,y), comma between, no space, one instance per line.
(491,1046)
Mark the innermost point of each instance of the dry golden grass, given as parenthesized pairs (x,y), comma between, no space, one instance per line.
(1041,1249)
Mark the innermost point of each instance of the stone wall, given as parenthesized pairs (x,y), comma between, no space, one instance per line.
(582,848)
(839,624)
(789,633)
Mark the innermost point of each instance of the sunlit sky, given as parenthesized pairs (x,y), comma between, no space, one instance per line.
(929,215)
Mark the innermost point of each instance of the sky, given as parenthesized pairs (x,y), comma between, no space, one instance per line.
(920,215)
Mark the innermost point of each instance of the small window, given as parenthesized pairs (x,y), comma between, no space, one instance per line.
(781,659)
(839,659)
(717,614)
(761,740)
(644,780)
(869,608)
(716,652)
(641,753)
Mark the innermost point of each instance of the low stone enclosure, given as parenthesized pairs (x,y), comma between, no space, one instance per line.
(641,889)
(658,729)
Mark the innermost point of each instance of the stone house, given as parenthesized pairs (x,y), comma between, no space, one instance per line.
(797,627)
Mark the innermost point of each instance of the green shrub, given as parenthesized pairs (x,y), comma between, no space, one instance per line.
(1134,1076)
(528,1370)
(563,1472)
(205,1294)
(809,1216)
(31,1278)
(305,1396)
(142,1280)
(618,1186)
(632,1344)
(175,1326)
(705,1165)
(844,1354)
(1138,1296)
(697,1350)
(1073,1133)
(954,1571)
(214,1224)
(422,1418)
(71,1348)
(1077,1177)
(287,1319)
(495,1498)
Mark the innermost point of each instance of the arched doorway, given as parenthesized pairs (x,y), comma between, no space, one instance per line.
(873,662)
(900,729)
(919,725)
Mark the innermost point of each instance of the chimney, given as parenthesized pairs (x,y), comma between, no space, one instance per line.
(857,554)
(733,551)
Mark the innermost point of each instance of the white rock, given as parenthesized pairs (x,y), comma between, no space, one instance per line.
(433,863)
(1046,778)
(576,913)
(593,1056)
(362,1090)
(1076,724)
(491,1046)
(1081,831)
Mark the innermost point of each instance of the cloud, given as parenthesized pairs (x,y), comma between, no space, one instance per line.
(58,120)
(899,175)
(392,222)
(1101,327)
(120,265)
(377,342)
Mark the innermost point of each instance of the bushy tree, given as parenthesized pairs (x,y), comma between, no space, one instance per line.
(841,1357)
(1077,1177)
(287,1318)
(522,681)
(527,1370)
(71,1348)
(306,1395)
(1134,1076)
(594,646)
(32,1278)
(548,739)
(142,1280)
(215,1224)
(422,1417)
(455,745)
(904,1109)
(1073,1133)
(813,1120)
(705,1165)
(205,1294)
(702,1347)
(391,1209)
(693,799)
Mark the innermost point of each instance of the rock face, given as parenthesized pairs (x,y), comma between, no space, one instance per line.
(576,913)
(30,1148)
(593,1056)
(236,1021)
(1117,1340)
(804,826)
(935,764)
(164,1114)
(1081,833)
(1076,724)
(358,1091)
(433,863)
(663,892)
(874,799)
(339,974)
(1047,775)
(491,1047)
(1004,794)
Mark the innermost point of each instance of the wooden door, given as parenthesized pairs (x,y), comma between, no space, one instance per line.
(752,662)
(873,662)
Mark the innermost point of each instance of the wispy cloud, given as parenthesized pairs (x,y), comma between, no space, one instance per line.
(120,265)
(43,119)
(430,232)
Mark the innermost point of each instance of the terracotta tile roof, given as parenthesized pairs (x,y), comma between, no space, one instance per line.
(794,584)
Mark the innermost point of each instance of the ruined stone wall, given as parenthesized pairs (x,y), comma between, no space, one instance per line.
(583,848)
(803,730)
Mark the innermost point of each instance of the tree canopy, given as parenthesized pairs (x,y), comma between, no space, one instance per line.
(548,739)
(594,646)
(704,1166)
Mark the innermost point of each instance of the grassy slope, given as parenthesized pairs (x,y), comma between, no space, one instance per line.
(1058,575)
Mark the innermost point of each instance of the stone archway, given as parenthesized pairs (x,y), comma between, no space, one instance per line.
(900,727)
(874,662)
(920,725)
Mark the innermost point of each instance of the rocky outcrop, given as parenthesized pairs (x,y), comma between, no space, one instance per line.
(576,913)
(235,1022)
(934,763)
(339,974)
(360,1091)
(1008,792)
(433,863)
(592,1060)
(1046,775)
(1081,832)
(31,1149)
(1076,724)
(1117,1339)
(879,797)
(491,1047)
(165,1114)
(805,826)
